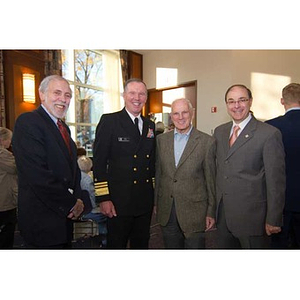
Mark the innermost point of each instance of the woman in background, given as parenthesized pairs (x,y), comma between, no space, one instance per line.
(8,191)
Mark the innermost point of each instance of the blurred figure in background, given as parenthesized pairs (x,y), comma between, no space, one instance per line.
(8,191)
(159,127)
(85,165)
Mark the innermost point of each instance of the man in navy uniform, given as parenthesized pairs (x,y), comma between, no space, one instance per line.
(124,160)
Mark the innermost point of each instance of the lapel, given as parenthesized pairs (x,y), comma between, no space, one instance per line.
(168,148)
(190,146)
(225,137)
(244,137)
(52,128)
(129,127)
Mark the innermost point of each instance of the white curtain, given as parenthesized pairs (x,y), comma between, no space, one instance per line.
(112,81)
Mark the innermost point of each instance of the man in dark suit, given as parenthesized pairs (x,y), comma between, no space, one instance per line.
(289,125)
(250,176)
(124,160)
(185,181)
(49,177)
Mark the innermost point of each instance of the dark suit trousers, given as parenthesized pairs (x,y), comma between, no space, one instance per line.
(174,238)
(289,237)
(8,220)
(227,240)
(135,229)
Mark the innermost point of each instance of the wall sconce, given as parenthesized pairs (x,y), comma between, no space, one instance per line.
(28,88)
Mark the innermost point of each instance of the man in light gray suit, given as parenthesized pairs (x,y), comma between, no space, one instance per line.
(250,176)
(185,181)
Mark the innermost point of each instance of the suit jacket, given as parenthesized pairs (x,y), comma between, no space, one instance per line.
(49,180)
(124,163)
(191,186)
(289,125)
(251,177)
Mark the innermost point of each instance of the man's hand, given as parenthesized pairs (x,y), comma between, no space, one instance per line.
(210,223)
(108,209)
(77,210)
(272,229)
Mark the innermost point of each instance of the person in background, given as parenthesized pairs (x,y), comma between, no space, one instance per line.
(49,196)
(289,125)
(81,152)
(185,181)
(124,169)
(8,191)
(250,176)
(159,128)
(85,165)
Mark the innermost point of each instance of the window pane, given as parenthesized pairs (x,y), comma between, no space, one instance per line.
(89,67)
(86,137)
(89,106)
(68,64)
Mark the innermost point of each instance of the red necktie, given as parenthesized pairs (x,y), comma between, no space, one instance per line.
(65,134)
(234,135)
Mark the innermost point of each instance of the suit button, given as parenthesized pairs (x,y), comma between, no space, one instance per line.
(134,169)
(175,180)
(147,155)
(134,156)
(135,182)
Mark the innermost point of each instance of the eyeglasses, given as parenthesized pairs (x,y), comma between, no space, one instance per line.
(231,102)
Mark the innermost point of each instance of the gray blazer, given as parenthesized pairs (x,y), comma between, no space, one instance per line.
(251,177)
(191,185)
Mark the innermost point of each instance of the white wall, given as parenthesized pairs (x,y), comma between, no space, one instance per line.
(265,72)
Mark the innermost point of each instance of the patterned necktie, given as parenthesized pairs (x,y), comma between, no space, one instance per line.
(136,122)
(65,134)
(234,135)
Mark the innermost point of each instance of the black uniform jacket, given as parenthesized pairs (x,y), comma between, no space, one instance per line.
(124,163)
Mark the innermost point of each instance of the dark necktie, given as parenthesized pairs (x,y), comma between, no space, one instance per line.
(65,134)
(136,122)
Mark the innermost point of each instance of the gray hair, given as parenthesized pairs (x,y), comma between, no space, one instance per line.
(5,134)
(45,82)
(183,99)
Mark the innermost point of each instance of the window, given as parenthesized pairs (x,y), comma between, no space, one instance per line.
(96,81)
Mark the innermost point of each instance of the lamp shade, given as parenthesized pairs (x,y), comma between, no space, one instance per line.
(29,88)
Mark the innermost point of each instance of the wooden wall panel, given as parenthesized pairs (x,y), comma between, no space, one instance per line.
(17,62)
(135,65)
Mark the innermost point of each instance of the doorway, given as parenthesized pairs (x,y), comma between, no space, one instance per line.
(160,100)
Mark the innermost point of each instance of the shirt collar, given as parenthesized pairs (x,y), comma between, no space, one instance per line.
(132,116)
(54,119)
(243,124)
(186,133)
(292,108)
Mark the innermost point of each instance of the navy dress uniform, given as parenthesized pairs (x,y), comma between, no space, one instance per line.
(124,169)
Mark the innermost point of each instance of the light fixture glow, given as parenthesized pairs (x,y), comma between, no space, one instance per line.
(29,88)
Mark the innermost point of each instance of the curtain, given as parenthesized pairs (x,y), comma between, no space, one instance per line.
(2,95)
(112,81)
(53,64)
(124,65)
